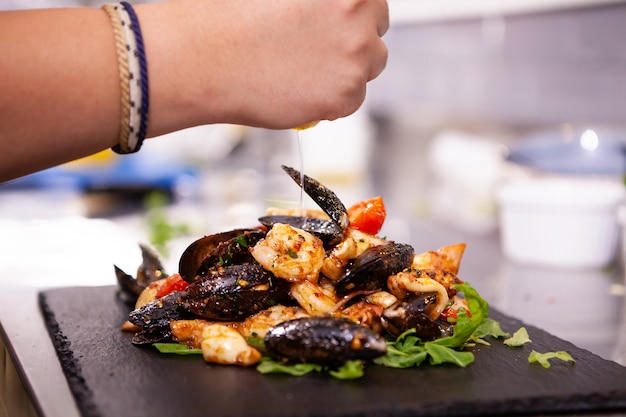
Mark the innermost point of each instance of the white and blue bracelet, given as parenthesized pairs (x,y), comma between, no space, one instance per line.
(133,69)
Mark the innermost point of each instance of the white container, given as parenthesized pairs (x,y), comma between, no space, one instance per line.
(562,223)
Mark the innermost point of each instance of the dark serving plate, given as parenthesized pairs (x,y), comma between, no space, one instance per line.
(110,377)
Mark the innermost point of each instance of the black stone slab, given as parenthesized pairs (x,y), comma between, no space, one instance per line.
(109,377)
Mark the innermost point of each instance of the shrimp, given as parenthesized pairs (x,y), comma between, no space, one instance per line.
(315,298)
(290,253)
(225,345)
(406,282)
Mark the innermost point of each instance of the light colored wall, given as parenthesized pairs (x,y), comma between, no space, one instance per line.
(550,67)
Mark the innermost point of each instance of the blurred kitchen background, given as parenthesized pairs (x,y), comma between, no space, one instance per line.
(476,96)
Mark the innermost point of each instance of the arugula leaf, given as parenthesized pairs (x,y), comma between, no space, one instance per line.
(466,325)
(519,338)
(442,354)
(349,370)
(405,352)
(176,348)
(256,342)
(543,358)
(488,327)
(268,366)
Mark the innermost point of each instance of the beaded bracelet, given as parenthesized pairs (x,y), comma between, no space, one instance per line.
(133,76)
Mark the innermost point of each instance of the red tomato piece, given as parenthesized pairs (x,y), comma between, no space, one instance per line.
(368,216)
(172,283)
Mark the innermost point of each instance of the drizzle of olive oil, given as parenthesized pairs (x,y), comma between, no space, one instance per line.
(299,130)
(301,156)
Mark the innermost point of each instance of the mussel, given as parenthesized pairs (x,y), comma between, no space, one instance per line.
(324,340)
(325,198)
(151,269)
(227,247)
(370,270)
(414,313)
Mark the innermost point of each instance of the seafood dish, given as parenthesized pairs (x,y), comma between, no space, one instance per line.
(306,286)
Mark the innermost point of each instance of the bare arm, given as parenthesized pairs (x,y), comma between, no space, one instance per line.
(273,64)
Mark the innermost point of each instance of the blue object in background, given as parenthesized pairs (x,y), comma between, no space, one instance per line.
(135,171)
(579,151)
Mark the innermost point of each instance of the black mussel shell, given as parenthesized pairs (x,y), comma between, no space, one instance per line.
(234,292)
(327,231)
(325,198)
(323,340)
(413,313)
(205,247)
(371,269)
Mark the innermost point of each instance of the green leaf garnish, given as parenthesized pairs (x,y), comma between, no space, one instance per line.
(269,366)
(488,327)
(241,240)
(439,354)
(408,350)
(349,370)
(519,338)
(544,358)
(176,348)
(256,342)
(465,325)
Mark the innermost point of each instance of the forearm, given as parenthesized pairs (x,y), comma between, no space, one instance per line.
(276,65)
(60,87)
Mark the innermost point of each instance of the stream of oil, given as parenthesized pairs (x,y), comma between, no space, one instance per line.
(301,156)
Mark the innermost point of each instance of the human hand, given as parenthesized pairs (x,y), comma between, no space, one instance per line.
(274,64)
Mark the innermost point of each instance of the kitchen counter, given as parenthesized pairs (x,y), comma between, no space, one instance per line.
(555,301)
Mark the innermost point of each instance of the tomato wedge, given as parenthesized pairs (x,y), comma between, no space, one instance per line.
(368,216)
(172,283)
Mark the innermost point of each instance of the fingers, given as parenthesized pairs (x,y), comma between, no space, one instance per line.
(383,17)
(379,60)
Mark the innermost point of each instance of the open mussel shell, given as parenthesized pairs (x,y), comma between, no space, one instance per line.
(129,287)
(327,231)
(234,292)
(413,313)
(325,198)
(323,340)
(207,250)
(370,270)
(150,270)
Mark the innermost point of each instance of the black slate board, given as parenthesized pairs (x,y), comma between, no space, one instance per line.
(110,377)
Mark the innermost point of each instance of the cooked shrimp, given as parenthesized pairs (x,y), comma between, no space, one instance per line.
(411,282)
(354,244)
(258,324)
(290,253)
(315,298)
(225,345)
